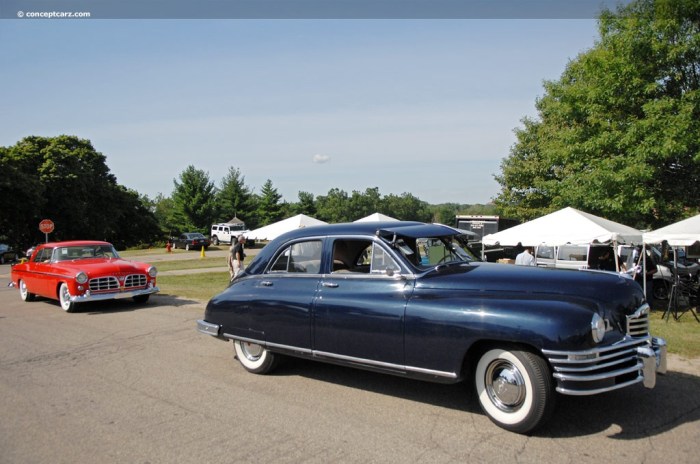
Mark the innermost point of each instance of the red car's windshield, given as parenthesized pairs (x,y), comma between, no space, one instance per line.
(83,252)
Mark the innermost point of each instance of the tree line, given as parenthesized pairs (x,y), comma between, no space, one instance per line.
(197,202)
(65,179)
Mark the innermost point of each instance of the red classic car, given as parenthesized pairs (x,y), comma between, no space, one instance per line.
(80,271)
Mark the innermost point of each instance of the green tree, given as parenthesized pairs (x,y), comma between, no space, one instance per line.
(270,209)
(194,201)
(235,199)
(306,205)
(332,207)
(360,205)
(617,134)
(66,180)
(163,209)
(406,207)
(444,213)
(134,223)
(19,220)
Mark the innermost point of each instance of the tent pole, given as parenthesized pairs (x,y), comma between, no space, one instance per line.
(644,269)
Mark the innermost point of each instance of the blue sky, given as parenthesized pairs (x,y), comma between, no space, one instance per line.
(420,106)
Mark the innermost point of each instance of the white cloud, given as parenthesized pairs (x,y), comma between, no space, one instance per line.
(320,159)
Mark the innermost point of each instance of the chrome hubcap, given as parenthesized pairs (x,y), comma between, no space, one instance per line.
(251,351)
(505,385)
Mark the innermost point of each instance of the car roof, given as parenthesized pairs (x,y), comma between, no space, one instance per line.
(74,243)
(406,228)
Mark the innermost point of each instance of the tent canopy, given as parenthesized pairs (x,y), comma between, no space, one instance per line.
(376,217)
(235,221)
(272,231)
(682,233)
(567,225)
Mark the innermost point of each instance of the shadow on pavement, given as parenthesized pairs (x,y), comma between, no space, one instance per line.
(638,412)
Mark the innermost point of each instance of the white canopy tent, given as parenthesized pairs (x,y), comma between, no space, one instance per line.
(273,231)
(679,234)
(566,226)
(682,233)
(376,217)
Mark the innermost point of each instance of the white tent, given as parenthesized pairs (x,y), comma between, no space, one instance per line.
(272,231)
(679,234)
(682,233)
(567,225)
(376,217)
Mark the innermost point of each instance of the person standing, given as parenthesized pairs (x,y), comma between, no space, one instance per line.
(230,257)
(525,258)
(238,257)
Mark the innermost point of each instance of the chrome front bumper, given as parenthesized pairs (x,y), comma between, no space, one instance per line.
(88,296)
(610,367)
(208,328)
(654,360)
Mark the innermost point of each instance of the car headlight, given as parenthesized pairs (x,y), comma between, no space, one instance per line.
(81,277)
(152,271)
(597,328)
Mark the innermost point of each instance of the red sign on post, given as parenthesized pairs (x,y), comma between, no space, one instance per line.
(46,226)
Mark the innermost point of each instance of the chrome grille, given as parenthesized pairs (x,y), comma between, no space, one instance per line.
(638,323)
(135,280)
(111,283)
(102,284)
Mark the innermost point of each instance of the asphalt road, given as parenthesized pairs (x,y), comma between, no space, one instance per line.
(124,383)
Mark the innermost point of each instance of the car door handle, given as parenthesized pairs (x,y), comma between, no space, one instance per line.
(266,283)
(330,284)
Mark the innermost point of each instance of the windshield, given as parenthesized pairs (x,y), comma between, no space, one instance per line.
(84,252)
(428,252)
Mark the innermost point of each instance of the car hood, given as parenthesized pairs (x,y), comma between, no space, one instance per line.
(104,266)
(608,293)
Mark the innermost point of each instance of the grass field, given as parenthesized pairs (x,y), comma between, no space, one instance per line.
(682,336)
(178,265)
(199,286)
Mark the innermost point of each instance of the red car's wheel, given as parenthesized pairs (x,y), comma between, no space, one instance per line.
(64,298)
(24,293)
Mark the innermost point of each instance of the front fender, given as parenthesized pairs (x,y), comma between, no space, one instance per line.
(440,330)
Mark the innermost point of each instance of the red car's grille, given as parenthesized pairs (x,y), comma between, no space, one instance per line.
(135,280)
(111,283)
(102,284)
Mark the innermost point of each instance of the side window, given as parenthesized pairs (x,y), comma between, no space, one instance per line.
(381,262)
(43,255)
(302,257)
(573,253)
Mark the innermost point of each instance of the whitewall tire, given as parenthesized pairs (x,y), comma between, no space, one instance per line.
(254,358)
(514,388)
(64,298)
(24,293)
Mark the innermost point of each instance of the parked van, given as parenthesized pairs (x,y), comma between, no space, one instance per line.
(576,256)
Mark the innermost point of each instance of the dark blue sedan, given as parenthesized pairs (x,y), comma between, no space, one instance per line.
(410,299)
